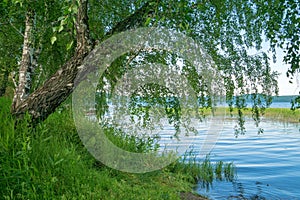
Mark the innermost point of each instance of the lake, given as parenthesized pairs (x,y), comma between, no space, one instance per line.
(275,104)
(267,165)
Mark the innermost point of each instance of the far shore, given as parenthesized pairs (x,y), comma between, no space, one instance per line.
(281,115)
(285,115)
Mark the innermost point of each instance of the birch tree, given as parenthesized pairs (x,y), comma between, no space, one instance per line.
(226,29)
(22,90)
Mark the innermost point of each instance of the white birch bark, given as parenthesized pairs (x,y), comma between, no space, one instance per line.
(20,91)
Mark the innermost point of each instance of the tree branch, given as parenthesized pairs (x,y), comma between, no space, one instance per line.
(134,20)
(42,102)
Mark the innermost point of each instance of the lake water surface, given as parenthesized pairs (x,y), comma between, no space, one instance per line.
(267,165)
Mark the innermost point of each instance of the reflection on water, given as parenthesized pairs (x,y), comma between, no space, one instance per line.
(267,165)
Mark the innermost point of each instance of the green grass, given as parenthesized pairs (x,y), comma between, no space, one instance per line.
(50,162)
(285,115)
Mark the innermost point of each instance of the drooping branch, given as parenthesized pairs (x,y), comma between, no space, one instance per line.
(42,102)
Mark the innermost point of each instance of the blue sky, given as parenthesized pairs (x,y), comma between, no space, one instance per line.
(285,88)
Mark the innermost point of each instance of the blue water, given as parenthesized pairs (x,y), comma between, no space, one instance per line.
(280,105)
(267,165)
(284,104)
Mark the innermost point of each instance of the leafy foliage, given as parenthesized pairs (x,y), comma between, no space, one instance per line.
(226,29)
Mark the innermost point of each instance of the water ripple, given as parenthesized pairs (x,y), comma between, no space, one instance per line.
(268,164)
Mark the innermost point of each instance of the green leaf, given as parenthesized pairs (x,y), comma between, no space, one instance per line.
(69,45)
(53,39)
(18,2)
(75,9)
(54,29)
(61,18)
(74,19)
(60,28)
(148,21)
(64,21)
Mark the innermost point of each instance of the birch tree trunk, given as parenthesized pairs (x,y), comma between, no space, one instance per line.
(43,101)
(21,92)
(55,90)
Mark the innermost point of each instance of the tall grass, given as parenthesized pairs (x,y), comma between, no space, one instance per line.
(49,162)
(285,115)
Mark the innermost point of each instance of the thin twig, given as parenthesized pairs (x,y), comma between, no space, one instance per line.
(13,79)
(16,29)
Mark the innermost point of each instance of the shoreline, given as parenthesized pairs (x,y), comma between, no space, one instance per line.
(284,115)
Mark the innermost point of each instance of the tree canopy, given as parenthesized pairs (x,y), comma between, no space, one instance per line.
(63,32)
